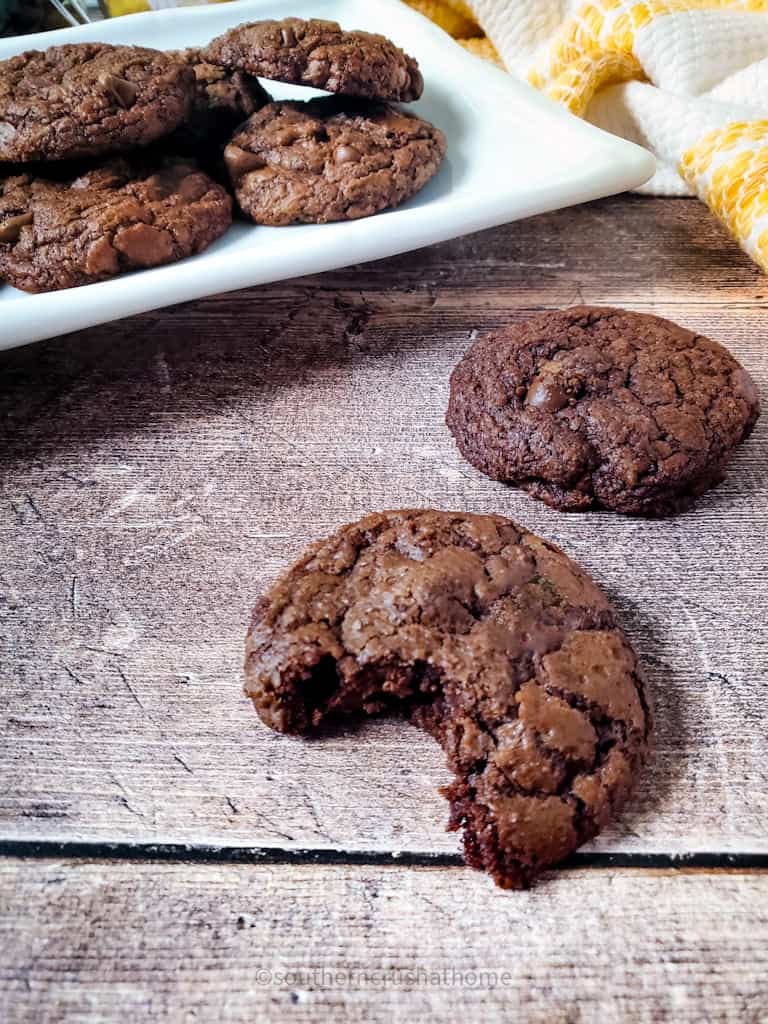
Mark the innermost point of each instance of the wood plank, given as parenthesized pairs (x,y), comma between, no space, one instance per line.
(158,472)
(102,941)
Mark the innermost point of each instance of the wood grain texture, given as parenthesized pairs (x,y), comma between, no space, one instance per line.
(93,941)
(157,473)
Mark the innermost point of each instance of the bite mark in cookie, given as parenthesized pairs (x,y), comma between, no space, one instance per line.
(329,159)
(320,54)
(595,406)
(123,215)
(89,99)
(486,636)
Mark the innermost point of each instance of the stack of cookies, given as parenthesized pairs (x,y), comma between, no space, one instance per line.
(333,158)
(114,158)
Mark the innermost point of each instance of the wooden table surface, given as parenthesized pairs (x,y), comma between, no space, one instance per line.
(164,856)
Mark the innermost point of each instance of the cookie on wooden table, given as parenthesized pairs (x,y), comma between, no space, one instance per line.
(224,98)
(89,99)
(486,636)
(330,159)
(121,216)
(602,407)
(320,54)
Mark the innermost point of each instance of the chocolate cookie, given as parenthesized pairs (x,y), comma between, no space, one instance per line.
(330,159)
(320,54)
(486,636)
(119,217)
(88,99)
(223,100)
(597,406)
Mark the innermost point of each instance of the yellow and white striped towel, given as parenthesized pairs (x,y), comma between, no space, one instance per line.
(688,79)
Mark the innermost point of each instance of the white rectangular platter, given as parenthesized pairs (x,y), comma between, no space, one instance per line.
(511,154)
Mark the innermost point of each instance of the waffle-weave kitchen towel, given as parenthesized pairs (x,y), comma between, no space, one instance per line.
(688,79)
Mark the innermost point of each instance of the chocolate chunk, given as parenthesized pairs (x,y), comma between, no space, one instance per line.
(10,228)
(239,161)
(120,88)
(546,395)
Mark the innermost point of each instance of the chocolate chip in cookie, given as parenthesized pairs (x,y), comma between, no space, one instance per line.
(89,99)
(330,159)
(320,54)
(123,215)
(489,638)
(224,98)
(601,407)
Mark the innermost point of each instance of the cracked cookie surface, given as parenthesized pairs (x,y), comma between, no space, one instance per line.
(121,216)
(595,406)
(322,55)
(89,99)
(486,636)
(329,159)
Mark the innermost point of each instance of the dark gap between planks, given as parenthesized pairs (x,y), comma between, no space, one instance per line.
(196,854)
